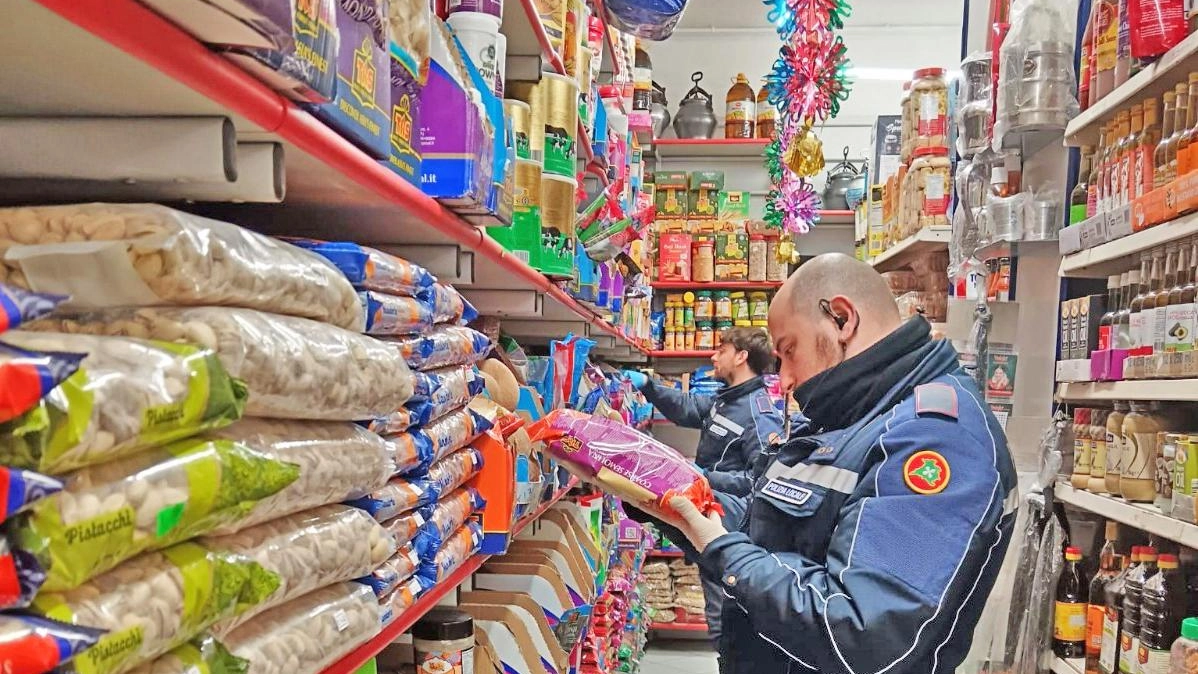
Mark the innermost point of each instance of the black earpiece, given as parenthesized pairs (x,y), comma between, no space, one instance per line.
(839,320)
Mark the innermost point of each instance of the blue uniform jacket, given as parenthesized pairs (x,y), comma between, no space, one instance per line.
(870,549)
(735,424)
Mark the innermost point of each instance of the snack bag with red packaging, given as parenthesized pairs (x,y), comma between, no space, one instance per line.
(1156,26)
(623,461)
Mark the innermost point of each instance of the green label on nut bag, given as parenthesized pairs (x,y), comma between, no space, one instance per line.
(110,652)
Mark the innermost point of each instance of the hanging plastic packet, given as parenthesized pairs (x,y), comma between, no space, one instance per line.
(413,452)
(454,388)
(388,576)
(32,645)
(18,306)
(454,431)
(445,345)
(447,516)
(23,577)
(405,527)
(622,460)
(453,471)
(370,268)
(448,305)
(26,377)
(398,497)
(1156,26)
(456,550)
(394,315)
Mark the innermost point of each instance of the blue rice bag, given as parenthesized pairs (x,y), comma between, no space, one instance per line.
(452,554)
(453,471)
(443,346)
(388,576)
(371,269)
(448,305)
(394,315)
(453,432)
(453,388)
(448,514)
(395,498)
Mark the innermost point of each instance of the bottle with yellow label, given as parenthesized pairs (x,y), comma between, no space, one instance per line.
(1069,619)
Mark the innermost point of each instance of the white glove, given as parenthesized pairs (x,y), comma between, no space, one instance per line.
(699,529)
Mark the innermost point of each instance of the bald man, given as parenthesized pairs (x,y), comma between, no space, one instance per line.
(873,535)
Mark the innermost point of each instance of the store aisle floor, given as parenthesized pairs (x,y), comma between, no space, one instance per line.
(692,656)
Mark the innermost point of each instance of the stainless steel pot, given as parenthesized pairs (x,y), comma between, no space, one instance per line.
(840,179)
(1046,87)
(696,115)
(658,110)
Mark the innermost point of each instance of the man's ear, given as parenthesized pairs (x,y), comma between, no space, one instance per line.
(845,315)
(741,357)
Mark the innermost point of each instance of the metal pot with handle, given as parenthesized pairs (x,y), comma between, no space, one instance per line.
(658,110)
(696,115)
(841,178)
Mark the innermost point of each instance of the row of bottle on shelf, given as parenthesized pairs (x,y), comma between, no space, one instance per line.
(1137,152)
(1149,313)
(1130,616)
(1137,451)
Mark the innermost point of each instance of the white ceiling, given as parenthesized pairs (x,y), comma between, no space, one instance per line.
(742,14)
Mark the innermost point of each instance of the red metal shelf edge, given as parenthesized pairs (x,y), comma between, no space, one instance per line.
(717,285)
(360,655)
(713,141)
(679,627)
(137,30)
(681,354)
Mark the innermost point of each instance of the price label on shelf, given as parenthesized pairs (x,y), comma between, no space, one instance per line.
(1093,231)
(1118,223)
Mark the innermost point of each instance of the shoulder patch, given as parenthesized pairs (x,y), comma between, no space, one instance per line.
(764,404)
(926,472)
(936,398)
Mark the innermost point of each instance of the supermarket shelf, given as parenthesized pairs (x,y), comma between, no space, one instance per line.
(830,217)
(681,354)
(1120,255)
(360,655)
(704,148)
(678,627)
(1153,80)
(1141,516)
(901,254)
(1130,389)
(673,554)
(716,285)
(1063,666)
(125,60)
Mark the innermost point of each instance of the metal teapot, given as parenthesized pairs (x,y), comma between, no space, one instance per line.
(658,110)
(696,116)
(840,179)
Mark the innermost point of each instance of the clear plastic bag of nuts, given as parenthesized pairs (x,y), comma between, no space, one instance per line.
(106,255)
(306,551)
(294,367)
(202,655)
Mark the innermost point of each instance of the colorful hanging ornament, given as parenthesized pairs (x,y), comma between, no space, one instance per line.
(804,152)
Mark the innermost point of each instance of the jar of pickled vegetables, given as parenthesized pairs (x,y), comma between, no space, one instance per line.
(704,306)
(759,306)
(704,335)
(740,306)
(723,306)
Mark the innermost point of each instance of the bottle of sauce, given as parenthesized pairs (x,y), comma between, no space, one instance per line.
(1069,619)
(767,115)
(1182,102)
(1106,38)
(1161,298)
(1112,619)
(1123,59)
(1114,447)
(1150,136)
(1161,612)
(1108,197)
(1128,282)
(1179,317)
(1184,161)
(1079,197)
(1138,316)
(1140,426)
(1129,138)
(1167,447)
(1160,156)
(1106,324)
(740,114)
(1109,565)
(1097,481)
(642,80)
(1133,594)
(1102,179)
(1082,448)
(1092,180)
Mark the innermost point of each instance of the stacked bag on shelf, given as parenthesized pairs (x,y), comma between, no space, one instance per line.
(659,591)
(151,526)
(688,591)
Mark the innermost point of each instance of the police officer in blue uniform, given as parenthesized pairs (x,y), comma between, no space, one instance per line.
(872,537)
(735,424)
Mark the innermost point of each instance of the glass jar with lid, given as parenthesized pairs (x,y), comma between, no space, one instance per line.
(929,101)
(757,257)
(688,338)
(759,306)
(930,186)
(740,306)
(775,269)
(671,340)
(703,261)
(704,306)
(723,306)
(669,313)
(720,327)
(704,335)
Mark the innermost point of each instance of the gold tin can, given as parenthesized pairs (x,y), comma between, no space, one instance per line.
(557,203)
(561,123)
(534,96)
(519,115)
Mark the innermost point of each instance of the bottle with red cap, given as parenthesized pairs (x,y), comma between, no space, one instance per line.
(1161,611)
(1112,595)
(1069,619)
(1133,593)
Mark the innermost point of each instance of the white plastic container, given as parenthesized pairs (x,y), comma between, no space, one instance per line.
(479,35)
(492,7)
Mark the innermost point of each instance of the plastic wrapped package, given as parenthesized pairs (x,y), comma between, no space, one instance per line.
(394,315)
(454,388)
(202,655)
(393,499)
(648,19)
(21,488)
(622,460)
(392,572)
(26,377)
(401,599)
(307,634)
(447,516)
(448,305)
(454,431)
(371,269)
(336,462)
(156,602)
(18,306)
(307,550)
(396,422)
(294,368)
(1036,79)
(111,512)
(453,471)
(405,527)
(452,554)
(156,255)
(445,345)
(128,395)
(412,450)
(411,27)
(32,645)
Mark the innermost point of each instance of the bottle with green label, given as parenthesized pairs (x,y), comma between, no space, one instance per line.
(1078,197)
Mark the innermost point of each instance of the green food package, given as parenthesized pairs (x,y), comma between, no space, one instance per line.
(128,395)
(733,206)
(704,188)
(202,655)
(670,194)
(109,513)
(157,602)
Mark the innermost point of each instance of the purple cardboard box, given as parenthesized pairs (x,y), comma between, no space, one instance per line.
(405,156)
(300,65)
(455,148)
(361,106)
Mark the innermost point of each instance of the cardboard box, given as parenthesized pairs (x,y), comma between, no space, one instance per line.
(494,483)
(404,157)
(529,613)
(703,197)
(731,256)
(733,206)
(456,151)
(674,257)
(569,561)
(508,637)
(1063,331)
(886,138)
(1089,313)
(670,194)
(539,581)
(361,105)
(299,55)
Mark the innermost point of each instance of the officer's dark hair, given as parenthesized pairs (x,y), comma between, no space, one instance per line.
(756,343)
